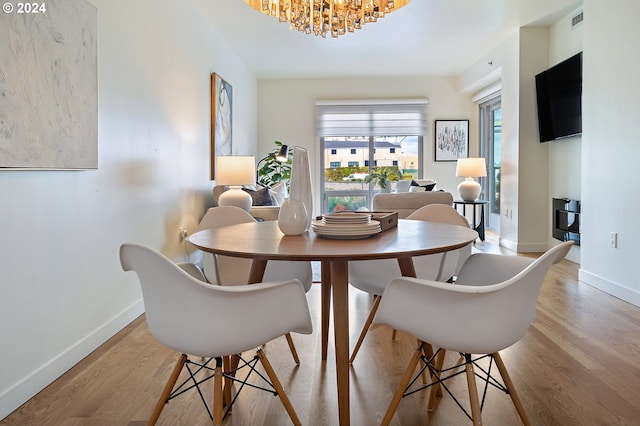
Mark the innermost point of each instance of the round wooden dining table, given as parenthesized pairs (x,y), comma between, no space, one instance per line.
(263,241)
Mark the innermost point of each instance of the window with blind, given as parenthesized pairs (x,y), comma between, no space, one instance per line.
(364,139)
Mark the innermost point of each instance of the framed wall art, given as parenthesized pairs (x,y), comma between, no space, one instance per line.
(49,87)
(221,119)
(451,139)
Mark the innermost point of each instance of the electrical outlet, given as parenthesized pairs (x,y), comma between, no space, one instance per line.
(183,234)
(613,239)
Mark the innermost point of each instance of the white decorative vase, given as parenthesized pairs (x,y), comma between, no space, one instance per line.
(292,218)
(301,181)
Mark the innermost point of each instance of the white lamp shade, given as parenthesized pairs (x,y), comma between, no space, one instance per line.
(235,170)
(471,167)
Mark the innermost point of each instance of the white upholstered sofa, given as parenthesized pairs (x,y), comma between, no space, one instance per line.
(406,203)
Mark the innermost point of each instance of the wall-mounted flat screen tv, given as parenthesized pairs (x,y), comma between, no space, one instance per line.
(559,94)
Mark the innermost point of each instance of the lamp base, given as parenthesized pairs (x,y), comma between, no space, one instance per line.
(236,197)
(469,189)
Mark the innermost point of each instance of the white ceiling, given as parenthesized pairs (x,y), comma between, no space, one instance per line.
(426,37)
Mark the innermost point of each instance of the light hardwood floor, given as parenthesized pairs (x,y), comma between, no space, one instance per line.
(579,364)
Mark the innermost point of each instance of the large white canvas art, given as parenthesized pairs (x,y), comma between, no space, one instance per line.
(49,87)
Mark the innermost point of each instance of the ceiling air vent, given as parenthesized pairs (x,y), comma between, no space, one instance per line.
(577,20)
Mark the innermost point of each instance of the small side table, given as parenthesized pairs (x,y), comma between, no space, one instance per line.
(477,226)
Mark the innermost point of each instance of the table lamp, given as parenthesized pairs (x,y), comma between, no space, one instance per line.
(283,154)
(281,157)
(235,171)
(470,168)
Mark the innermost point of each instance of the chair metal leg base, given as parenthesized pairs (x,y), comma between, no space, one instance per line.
(439,375)
(222,399)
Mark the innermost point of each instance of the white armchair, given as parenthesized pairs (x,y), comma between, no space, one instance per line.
(193,317)
(484,313)
(233,271)
(372,276)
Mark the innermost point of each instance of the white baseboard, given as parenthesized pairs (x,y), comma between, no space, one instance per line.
(614,289)
(523,248)
(22,391)
(508,244)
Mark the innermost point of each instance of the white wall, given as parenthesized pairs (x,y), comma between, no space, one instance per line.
(63,291)
(287,113)
(606,178)
(610,148)
(565,154)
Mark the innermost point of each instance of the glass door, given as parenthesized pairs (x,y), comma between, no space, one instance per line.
(491,150)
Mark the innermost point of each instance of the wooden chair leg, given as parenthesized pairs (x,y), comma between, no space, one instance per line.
(230,365)
(226,366)
(234,362)
(473,392)
(217,393)
(436,389)
(402,386)
(292,347)
(278,387)
(365,328)
(512,390)
(427,350)
(167,389)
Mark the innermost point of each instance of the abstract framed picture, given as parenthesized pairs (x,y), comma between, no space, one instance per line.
(221,119)
(451,139)
(49,86)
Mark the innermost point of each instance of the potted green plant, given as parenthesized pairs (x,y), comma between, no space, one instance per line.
(382,177)
(271,170)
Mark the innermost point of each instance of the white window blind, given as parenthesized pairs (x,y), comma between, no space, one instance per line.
(372,118)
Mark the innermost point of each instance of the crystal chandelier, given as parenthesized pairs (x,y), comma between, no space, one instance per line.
(322,17)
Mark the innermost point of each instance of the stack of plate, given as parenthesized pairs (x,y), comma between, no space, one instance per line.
(346,226)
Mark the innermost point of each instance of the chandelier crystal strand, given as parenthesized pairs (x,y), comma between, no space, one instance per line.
(322,17)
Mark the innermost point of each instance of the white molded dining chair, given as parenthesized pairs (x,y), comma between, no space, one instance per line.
(490,308)
(444,213)
(231,271)
(372,276)
(227,270)
(199,319)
